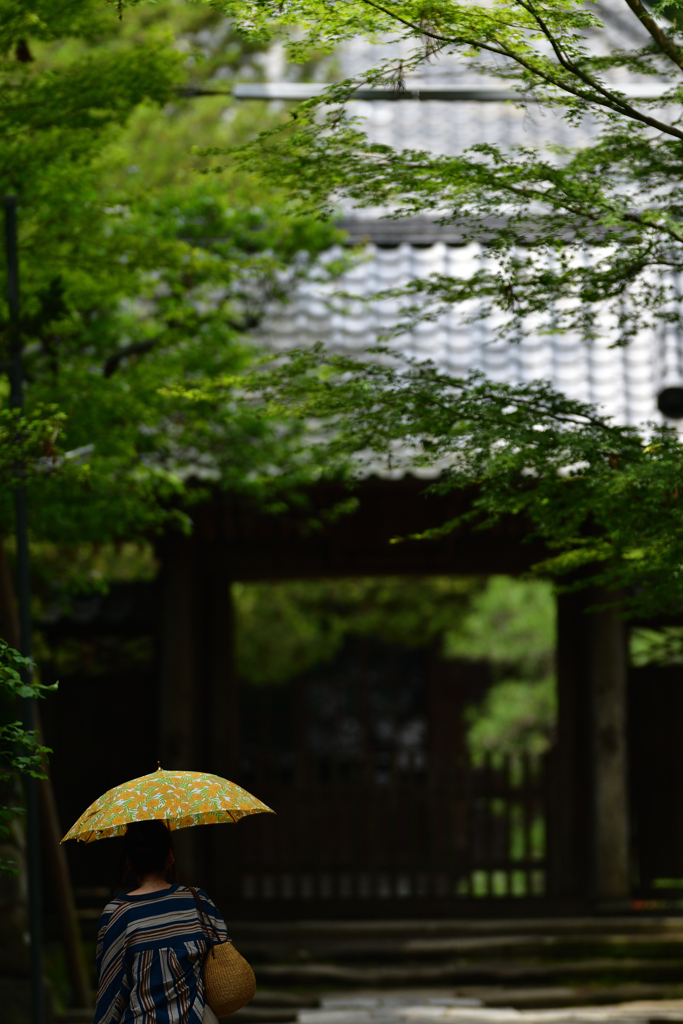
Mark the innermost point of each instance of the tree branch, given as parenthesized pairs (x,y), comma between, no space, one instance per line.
(574,69)
(609,100)
(112,364)
(665,44)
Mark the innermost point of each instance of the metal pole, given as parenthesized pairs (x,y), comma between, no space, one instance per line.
(24,599)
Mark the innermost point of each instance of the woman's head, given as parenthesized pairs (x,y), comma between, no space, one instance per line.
(147,848)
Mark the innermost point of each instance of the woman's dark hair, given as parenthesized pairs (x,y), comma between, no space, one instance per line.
(145,849)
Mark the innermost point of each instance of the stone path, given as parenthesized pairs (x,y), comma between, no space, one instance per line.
(399,1009)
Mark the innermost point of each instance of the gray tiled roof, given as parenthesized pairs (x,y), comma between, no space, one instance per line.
(625,382)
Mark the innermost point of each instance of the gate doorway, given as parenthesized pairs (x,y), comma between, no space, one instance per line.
(379,806)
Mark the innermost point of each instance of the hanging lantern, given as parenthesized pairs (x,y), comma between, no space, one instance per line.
(670,402)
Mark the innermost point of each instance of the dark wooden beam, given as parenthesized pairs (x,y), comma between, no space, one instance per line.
(422,231)
(306,544)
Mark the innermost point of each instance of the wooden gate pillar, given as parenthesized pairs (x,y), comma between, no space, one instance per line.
(609,684)
(569,797)
(588,854)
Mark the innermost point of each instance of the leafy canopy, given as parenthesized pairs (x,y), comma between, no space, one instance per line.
(603,497)
(606,500)
(19,750)
(288,628)
(285,628)
(511,624)
(618,195)
(21,753)
(586,239)
(135,272)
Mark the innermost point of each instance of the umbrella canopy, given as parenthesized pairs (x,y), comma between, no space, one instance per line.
(181,799)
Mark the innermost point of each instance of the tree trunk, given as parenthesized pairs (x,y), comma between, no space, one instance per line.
(56,863)
(609,686)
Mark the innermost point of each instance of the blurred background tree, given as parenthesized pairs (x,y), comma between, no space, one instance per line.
(137,272)
(511,624)
(285,629)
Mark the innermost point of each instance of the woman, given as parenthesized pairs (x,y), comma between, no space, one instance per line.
(151,941)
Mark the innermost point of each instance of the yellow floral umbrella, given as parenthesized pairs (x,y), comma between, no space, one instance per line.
(180,798)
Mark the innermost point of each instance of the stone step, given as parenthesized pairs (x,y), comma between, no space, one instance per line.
(569,1006)
(283,1000)
(267,1007)
(548,997)
(264,1015)
(366,942)
(409,929)
(510,973)
(543,947)
(520,963)
(554,944)
(246,1015)
(485,1005)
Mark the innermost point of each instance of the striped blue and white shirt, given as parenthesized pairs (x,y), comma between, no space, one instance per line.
(150,950)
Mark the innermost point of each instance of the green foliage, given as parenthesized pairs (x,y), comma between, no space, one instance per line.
(620,195)
(131,279)
(61,571)
(603,497)
(161,148)
(511,625)
(518,716)
(135,273)
(588,240)
(656,646)
(285,628)
(20,752)
(28,444)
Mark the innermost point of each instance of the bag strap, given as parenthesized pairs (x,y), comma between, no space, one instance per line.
(205,921)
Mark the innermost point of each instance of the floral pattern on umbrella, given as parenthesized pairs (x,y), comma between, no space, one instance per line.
(182,799)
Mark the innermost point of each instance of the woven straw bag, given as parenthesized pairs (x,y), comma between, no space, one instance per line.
(229,982)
